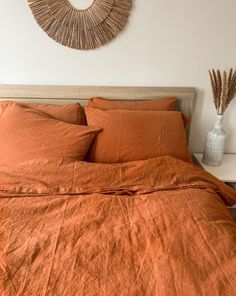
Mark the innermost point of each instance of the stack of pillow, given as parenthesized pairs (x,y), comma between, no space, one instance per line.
(136,130)
(39,131)
(116,131)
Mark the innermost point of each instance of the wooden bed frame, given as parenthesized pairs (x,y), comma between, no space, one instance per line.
(57,94)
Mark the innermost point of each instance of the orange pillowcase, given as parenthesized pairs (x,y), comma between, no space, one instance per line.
(72,113)
(168,103)
(163,104)
(27,134)
(134,135)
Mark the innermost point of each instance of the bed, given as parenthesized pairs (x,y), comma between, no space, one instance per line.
(70,226)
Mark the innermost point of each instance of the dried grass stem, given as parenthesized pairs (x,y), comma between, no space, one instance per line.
(223,88)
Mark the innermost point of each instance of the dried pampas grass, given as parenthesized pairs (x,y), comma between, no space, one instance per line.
(81,29)
(223,88)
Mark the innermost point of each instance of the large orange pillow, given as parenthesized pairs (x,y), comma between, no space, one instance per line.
(27,134)
(168,103)
(134,135)
(72,113)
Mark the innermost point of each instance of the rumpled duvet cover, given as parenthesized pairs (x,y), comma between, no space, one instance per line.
(157,227)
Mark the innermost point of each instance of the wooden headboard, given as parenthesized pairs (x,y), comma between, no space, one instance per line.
(57,94)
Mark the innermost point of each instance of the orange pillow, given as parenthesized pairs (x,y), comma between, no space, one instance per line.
(156,104)
(27,134)
(134,135)
(164,104)
(72,113)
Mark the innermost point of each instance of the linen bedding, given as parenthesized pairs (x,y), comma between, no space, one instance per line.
(148,227)
(129,135)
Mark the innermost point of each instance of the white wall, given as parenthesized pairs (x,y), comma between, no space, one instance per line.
(166,43)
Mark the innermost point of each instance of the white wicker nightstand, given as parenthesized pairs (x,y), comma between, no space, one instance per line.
(226,172)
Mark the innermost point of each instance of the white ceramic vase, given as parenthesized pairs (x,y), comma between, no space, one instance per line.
(214,145)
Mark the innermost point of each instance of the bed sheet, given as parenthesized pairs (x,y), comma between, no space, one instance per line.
(152,227)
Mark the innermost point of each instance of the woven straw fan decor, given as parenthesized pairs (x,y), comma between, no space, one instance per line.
(81,29)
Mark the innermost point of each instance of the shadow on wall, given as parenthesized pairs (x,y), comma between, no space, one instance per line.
(196,118)
(229,128)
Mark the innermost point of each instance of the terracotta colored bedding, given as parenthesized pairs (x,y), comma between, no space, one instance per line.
(153,227)
(129,135)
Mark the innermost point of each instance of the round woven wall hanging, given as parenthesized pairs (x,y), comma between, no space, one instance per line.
(81,29)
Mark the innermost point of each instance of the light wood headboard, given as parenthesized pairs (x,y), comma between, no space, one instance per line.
(57,94)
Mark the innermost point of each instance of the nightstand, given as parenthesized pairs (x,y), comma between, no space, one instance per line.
(226,172)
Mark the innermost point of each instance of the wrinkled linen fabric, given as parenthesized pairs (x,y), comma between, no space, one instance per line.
(130,135)
(71,113)
(165,103)
(27,134)
(157,227)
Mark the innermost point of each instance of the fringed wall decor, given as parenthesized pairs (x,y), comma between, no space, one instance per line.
(81,29)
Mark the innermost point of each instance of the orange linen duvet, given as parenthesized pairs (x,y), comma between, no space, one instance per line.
(157,227)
